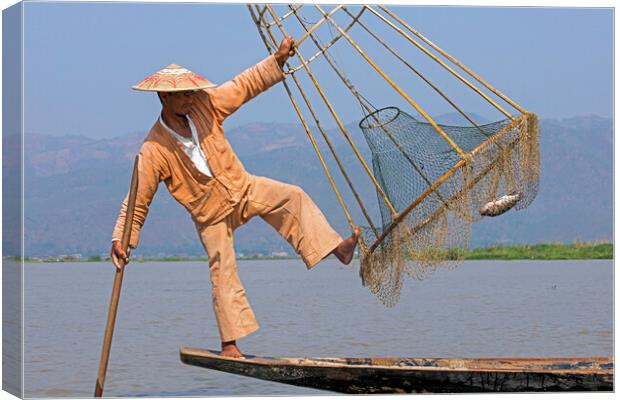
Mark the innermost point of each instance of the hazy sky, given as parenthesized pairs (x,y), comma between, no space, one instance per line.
(82,58)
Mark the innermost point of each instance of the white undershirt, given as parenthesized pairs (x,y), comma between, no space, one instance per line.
(191,146)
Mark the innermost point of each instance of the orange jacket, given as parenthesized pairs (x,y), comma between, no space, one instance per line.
(208,200)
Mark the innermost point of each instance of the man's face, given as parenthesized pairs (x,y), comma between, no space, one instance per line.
(179,103)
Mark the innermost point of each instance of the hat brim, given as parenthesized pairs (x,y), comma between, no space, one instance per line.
(155,89)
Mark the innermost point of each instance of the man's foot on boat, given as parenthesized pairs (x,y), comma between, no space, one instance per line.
(346,248)
(230,349)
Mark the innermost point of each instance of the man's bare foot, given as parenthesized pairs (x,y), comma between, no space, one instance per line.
(230,349)
(346,248)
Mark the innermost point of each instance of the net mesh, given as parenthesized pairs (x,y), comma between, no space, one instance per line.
(435,193)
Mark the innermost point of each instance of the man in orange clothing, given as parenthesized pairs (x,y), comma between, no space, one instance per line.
(187,150)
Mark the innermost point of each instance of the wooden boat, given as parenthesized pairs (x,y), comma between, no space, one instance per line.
(418,375)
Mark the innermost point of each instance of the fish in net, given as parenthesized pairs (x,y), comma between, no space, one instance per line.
(436,193)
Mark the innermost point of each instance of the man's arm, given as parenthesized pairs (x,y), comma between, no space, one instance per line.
(149,176)
(229,96)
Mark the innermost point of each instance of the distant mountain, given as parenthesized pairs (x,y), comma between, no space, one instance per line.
(74,186)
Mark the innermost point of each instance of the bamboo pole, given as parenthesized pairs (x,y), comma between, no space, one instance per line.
(440,62)
(318,124)
(310,136)
(337,119)
(325,137)
(320,155)
(118,281)
(418,73)
(312,140)
(288,14)
(314,27)
(454,60)
(260,12)
(329,44)
(336,157)
(362,100)
(394,85)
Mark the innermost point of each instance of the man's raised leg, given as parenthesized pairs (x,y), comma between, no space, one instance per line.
(298,220)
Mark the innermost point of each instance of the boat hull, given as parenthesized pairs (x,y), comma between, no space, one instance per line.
(417,375)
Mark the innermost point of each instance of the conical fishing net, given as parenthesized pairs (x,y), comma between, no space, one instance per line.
(436,193)
(432,181)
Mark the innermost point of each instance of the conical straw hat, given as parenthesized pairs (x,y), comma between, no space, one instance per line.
(173,78)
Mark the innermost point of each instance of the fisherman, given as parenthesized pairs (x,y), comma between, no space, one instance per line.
(187,149)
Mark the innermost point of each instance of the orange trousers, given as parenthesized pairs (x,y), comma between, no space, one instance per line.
(293,214)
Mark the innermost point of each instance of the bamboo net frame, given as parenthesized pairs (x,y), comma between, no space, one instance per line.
(516,138)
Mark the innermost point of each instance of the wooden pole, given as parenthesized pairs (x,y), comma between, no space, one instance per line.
(391,82)
(320,128)
(118,281)
(316,25)
(333,112)
(454,60)
(415,71)
(329,44)
(438,60)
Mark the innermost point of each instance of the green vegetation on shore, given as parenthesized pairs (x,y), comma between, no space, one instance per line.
(541,251)
(545,251)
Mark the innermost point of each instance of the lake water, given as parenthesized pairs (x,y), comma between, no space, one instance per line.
(480,309)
